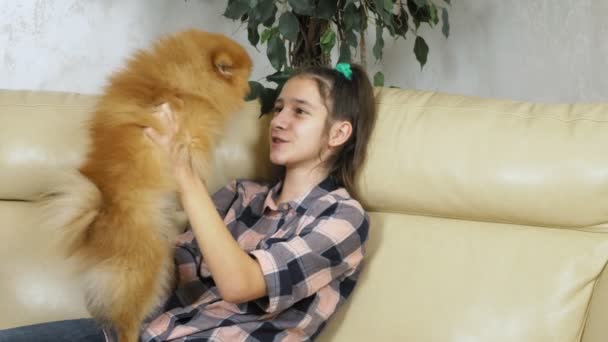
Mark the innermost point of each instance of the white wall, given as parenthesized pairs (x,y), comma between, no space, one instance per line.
(73,45)
(538,50)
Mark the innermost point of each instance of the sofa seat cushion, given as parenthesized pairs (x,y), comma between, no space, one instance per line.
(455,280)
(38,284)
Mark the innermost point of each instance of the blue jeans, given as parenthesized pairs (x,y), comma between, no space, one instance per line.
(60,331)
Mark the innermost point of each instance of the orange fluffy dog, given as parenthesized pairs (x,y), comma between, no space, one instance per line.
(122,228)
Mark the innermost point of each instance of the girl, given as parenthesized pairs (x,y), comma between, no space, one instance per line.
(260,262)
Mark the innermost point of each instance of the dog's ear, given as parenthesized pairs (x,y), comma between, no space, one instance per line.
(224,64)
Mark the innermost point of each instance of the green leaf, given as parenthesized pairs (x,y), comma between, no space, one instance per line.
(289,26)
(379,44)
(326,9)
(265,11)
(276,52)
(304,7)
(434,16)
(421,50)
(351,39)
(252,35)
(388,6)
(267,34)
(345,55)
(269,95)
(255,91)
(352,18)
(446,22)
(328,40)
(420,14)
(384,8)
(252,18)
(271,19)
(379,79)
(421,3)
(391,27)
(401,22)
(267,99)
(348,2)
(449,2)
(236,9)
(279,77)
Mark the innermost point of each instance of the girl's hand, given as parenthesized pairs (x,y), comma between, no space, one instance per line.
(177,151)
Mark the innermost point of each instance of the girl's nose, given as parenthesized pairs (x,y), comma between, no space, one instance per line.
(279,120)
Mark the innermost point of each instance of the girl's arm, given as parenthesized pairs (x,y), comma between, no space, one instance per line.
(237,275)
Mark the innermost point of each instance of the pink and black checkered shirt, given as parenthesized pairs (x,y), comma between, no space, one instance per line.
(309,250)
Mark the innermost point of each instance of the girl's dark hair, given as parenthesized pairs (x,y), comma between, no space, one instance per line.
(349,100)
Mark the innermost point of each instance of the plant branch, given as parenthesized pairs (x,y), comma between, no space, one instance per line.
(362,39)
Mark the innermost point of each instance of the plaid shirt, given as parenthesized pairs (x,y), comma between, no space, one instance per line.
(310,253)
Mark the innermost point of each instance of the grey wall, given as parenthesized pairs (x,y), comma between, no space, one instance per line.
(537,50)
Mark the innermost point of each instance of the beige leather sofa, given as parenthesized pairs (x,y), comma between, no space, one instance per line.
(488,216)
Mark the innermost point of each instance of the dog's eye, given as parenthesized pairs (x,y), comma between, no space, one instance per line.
(225,69)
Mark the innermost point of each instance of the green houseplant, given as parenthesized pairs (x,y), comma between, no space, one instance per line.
(305,32)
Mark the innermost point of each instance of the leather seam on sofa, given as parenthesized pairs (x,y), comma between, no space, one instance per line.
(536,115)
(462,218)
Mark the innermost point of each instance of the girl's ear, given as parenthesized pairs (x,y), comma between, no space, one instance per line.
(339,133)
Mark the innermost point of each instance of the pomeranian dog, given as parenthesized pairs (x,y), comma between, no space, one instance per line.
(121,228)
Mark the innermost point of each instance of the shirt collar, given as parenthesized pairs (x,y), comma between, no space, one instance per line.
(326,186)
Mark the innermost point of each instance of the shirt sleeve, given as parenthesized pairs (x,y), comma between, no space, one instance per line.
(331,247)
(224,197)
(223,200)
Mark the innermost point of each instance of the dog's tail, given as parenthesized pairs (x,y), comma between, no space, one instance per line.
(69,207)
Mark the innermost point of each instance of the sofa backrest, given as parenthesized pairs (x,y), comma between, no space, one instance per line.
(431,154)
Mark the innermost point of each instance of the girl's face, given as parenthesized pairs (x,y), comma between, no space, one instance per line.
(297,130)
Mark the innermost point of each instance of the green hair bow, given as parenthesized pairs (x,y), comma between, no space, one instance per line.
(344,69)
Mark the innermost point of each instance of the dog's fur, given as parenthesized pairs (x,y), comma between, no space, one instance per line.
(121,229)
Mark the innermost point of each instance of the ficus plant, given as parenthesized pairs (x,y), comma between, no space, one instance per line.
(300,33)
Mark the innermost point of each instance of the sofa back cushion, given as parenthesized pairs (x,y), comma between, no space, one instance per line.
(43,131)
(489,160)
(430,154)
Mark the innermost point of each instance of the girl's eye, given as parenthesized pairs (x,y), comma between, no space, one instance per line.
(277,109)
(300,111)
